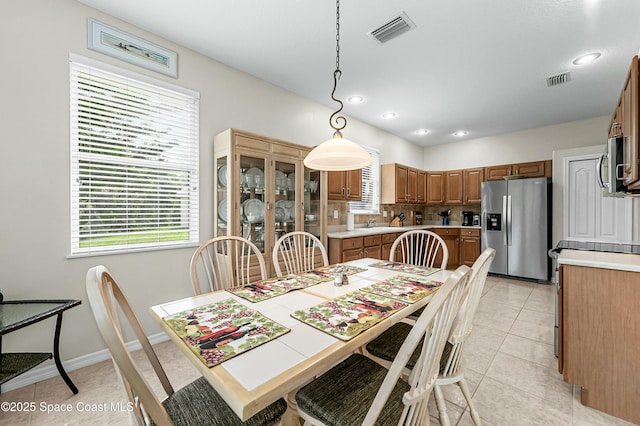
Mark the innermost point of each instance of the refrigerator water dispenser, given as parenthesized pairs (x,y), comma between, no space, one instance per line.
(494,222)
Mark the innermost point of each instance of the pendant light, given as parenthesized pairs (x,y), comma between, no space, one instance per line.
(337,153)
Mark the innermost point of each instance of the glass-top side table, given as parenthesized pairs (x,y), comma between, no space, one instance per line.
(18,314)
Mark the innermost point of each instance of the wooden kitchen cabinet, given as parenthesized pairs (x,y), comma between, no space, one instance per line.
(451,237)
(435,188)
(387,242)
(528,170)
(599,337)
(453,187)
(630,112)
(472,184)
(344,185)
(399,184)
(377,246)
(422,187)
(469,246)
(372,246)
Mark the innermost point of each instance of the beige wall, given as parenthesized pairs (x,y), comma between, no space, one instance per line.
(528,145)
(36,37)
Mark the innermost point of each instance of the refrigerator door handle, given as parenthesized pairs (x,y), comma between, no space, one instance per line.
(504,220)
(509,234)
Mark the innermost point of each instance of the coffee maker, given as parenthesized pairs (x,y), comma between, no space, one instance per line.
(467,218)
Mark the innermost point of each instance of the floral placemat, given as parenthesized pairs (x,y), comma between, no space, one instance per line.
(347,316)
(266,289)
(222,330)
(327,273)
(406,268)
(404,288)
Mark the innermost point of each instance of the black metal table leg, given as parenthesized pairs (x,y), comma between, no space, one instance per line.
(56,356)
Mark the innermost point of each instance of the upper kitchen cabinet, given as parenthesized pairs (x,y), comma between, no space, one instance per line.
(472,184)
(527,170)
(453,187)
(263,190)
(422,187)
(630,114)
(345,185)
(399,184)
(435,188)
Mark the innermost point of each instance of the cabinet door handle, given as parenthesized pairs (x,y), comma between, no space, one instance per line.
(348,192)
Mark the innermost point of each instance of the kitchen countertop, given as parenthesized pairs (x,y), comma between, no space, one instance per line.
(360,232)
(598,259)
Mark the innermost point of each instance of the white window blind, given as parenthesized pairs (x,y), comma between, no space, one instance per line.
(370,203)
(134,162)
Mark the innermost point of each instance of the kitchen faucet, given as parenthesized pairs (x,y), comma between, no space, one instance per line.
(371,223)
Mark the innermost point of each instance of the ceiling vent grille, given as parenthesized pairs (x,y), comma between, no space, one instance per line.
(392,29)
(558,79)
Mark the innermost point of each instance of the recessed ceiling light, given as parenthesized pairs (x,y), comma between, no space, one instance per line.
(585,59)
(421,132)
(355,99)
(460,133)
(389,115)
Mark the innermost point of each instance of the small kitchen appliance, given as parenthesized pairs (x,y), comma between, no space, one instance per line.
(476,220)
(467,218)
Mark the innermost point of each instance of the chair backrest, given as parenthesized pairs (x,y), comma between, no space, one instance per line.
(298,252)
(433,326)
(225,262)
(105,297)
(420,248)
(463,323)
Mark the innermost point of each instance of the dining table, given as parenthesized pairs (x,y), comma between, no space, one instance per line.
(258,377)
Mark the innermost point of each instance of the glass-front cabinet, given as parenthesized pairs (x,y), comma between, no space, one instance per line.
(264,191)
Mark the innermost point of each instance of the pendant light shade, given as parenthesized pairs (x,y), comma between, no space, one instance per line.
(337,153)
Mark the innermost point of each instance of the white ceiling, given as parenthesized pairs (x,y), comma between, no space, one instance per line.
(475,65)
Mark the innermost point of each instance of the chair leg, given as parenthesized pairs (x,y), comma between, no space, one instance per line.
(475,416)
(442,406)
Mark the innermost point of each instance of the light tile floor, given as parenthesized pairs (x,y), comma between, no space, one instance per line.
(511,371)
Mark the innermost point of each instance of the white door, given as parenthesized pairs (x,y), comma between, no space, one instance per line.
(588,215)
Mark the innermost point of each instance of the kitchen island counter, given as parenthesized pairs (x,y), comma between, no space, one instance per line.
(598,259)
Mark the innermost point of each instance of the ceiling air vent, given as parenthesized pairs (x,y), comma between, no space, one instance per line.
(392,29)
(555,80)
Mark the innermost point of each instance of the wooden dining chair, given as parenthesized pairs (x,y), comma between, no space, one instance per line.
(384,348)
(195,404)
(420,248)
(225,262)
(298,252)
(358,391)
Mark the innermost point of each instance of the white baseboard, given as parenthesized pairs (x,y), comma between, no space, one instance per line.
(48,371)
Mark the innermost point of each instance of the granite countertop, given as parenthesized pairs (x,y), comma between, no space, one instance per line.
(360,232)
(599,259)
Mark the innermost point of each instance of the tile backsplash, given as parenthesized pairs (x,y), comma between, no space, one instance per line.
(429,213)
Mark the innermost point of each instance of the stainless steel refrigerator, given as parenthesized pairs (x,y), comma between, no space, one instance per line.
(516,222)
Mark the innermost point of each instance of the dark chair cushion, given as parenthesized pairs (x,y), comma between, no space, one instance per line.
(387,345)
(342,396)
(199,404)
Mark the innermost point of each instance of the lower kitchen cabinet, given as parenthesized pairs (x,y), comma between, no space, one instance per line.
(599,337)
(469,246)
(347,249)
(451,237)
(462,244)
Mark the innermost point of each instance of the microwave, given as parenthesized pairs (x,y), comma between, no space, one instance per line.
(609,168)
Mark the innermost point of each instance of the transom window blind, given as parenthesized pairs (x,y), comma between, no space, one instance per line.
(370,203)
(134,162)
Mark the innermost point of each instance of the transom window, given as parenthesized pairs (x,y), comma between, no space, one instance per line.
(134,161)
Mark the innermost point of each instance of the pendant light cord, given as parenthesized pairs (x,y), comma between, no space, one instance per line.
(336,76)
